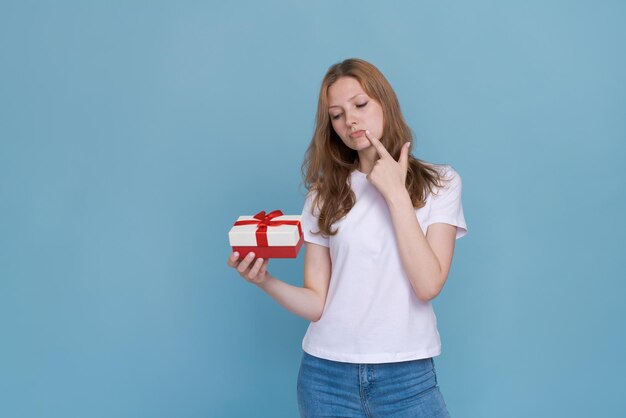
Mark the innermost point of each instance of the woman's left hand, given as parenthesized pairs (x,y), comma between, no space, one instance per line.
(388,175)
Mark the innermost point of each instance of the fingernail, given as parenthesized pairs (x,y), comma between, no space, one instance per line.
(250,255)
(235,255)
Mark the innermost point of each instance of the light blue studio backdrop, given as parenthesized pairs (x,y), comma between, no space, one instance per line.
(133,135)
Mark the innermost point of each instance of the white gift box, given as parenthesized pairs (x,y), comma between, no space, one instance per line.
(267,236)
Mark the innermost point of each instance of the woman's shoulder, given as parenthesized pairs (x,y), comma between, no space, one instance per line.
(448,180)
(311,201)
(447,171)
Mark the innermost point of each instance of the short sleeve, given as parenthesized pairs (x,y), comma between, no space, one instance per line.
(447,206)
(309,222)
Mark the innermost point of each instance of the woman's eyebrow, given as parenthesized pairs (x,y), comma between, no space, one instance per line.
(348,100)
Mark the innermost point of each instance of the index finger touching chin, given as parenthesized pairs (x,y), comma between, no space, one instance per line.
(382,151)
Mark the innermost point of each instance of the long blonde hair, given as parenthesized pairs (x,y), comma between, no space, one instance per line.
(328,161)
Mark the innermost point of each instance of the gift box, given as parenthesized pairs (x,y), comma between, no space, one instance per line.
(271,235)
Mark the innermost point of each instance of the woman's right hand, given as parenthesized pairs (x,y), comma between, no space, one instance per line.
(254,271)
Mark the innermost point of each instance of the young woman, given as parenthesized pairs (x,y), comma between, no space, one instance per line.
(379,228)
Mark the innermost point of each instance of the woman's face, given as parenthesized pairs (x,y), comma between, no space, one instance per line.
(352,112)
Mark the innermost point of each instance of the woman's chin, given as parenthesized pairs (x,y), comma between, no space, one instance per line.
(359,144)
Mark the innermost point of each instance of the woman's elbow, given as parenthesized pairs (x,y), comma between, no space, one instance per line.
(314,313)
(427,295)
(425,298)
(314,316)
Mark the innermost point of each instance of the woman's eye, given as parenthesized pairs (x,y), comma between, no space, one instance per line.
(362,104)
(335,117)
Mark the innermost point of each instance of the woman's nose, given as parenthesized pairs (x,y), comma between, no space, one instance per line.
(350,120)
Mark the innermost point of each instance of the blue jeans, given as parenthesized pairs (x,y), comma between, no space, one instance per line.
(406,389)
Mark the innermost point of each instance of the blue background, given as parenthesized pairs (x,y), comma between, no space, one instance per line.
(132,134)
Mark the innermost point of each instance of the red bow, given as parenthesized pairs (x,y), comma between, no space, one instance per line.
(263,221)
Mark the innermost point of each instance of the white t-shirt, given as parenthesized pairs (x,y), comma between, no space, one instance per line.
(372,314)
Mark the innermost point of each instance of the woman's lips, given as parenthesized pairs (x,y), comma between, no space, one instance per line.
(357,134)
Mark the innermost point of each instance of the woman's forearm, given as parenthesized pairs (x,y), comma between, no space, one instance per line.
(301,301)
(418,258)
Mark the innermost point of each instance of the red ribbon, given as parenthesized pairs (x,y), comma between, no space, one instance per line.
(264,221)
